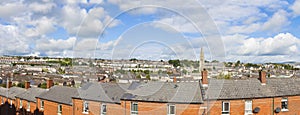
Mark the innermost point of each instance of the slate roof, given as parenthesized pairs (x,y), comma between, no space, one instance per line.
(60,94)
(12,92)
(3,91)
(31,93)
(182,92)
(284,86)
(236,89)
(252,88)
(103,92)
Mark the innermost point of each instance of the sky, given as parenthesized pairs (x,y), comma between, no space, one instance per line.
(229,30)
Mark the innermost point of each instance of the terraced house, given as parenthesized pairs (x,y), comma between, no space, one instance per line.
(252,96)
(57,100)
(26,102)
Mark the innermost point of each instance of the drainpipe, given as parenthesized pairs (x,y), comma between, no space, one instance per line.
(125,107)
(273,107)
(207,105)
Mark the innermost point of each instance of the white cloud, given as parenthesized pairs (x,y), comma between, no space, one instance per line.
(276,22)
(58,45)
(9,9)
(296,7)
(41,7)
(12,42)
(176,22)
(283,44)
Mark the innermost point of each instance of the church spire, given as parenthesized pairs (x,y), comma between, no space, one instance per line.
(201,61)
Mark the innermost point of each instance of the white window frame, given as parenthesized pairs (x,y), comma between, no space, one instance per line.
(42,104)
(133,112)
(21,103)
(28,106)
(59,109)
(10,103)
(102,109)
(225,112)
(248,107)
(85,107)
(169,109)
(284,99)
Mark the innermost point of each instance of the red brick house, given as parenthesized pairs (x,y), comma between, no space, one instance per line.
(168,98)
(99,99)
(26,102)
(8,96)
(57,100)
(262,96)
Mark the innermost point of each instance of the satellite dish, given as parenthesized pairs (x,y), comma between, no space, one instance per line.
(256,110)
(277,110)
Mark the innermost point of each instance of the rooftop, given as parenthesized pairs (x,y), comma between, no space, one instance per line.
(31,93)
(104,92)
(60,94)
(181,92)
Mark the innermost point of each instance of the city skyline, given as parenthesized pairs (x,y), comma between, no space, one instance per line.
(250,31)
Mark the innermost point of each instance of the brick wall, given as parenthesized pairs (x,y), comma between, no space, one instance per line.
(25,103)
(237,107)
(150,108)
(6,108)
(51,108)
(95,108)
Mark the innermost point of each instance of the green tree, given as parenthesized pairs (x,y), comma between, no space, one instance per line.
(22,85)
(138,76)
(43,85)
(237,63)
(175,63)
(184,71)
(148,77)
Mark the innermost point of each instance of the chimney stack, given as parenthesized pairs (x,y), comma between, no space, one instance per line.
(204,78)
(27,84)
(262,77)
(9,84)
(174,79)
(49,83)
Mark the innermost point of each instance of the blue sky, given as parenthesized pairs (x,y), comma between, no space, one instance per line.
(230,30)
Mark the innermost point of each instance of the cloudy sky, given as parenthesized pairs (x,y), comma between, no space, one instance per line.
(230,30)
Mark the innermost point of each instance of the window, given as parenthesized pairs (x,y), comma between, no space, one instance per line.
(28,106)
(225,108)
(171,109)
(85,107)
(42,104)
(103,109)
(134,108)
(21,103)
(248,107)
(11,103)
(284,104)
(59,109)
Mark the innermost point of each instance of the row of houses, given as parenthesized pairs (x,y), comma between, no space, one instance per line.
(262,96)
